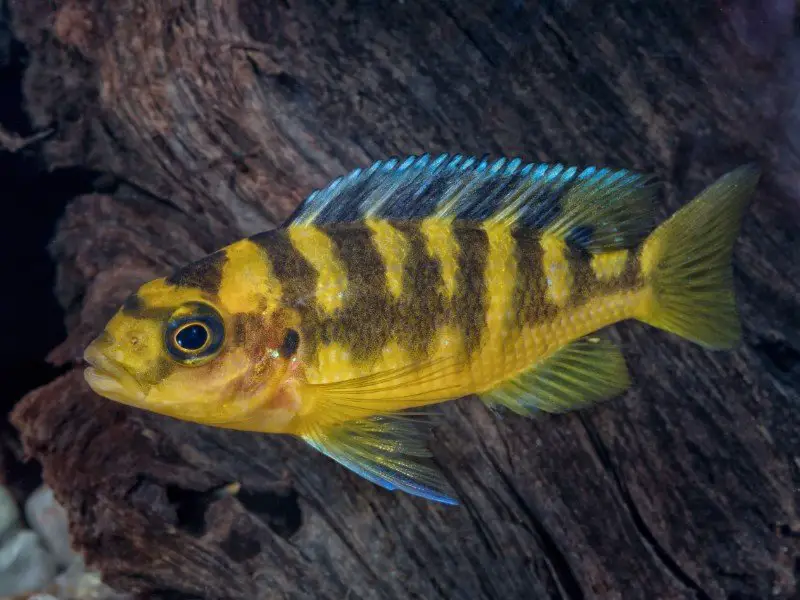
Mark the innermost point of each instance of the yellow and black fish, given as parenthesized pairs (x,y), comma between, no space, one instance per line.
(412,283)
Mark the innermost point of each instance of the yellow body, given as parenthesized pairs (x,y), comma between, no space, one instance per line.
(331,328)
(508,348)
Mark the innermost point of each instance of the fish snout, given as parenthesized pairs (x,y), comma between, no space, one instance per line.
(105,376)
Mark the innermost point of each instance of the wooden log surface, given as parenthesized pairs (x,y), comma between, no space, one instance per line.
(208,120)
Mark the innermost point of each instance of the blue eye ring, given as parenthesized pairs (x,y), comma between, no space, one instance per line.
(194,334)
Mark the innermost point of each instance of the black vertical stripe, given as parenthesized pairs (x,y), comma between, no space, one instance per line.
(421,306)
(205,274)
(529,300)
(298,280)
(365,322)
(243,326)
(469,302)
(632,277)
(583,283)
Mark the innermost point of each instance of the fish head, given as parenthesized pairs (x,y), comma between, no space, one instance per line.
(185,352)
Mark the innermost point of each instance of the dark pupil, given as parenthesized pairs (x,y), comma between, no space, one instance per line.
(192,337)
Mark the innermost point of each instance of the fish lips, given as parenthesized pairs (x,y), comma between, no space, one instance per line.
(110,380)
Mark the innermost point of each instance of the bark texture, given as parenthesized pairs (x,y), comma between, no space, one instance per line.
(208,120)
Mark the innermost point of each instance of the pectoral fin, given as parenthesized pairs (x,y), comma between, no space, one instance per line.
(586,371)
(386,391)
(389,451)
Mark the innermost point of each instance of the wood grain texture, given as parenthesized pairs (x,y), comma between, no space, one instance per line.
(215,118)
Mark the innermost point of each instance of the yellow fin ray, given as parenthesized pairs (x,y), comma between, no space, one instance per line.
(584,372)
(388,450)
(687,262)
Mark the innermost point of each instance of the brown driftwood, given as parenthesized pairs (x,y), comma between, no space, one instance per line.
(212,119)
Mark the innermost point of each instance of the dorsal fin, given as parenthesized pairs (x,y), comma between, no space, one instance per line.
(595,208)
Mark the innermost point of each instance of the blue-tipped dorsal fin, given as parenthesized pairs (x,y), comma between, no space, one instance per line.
(592,207)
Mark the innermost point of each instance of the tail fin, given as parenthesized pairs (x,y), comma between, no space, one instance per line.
(687,261)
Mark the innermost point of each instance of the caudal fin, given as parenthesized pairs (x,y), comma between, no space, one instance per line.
(687,262)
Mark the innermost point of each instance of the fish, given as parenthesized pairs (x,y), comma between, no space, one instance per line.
(418,281)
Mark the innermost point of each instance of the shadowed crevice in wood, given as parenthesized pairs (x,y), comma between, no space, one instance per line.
(280,512)
(563,576)
(783,358)
(647,536)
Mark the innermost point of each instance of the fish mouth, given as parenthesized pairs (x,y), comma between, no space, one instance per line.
(110,380)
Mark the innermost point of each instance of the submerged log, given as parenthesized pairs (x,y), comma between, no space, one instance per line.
(208,121)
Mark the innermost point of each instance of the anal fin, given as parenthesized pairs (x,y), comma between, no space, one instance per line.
(388,450)
(582,373)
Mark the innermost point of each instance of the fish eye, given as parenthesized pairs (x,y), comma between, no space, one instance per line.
(194,334)
(192,337)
